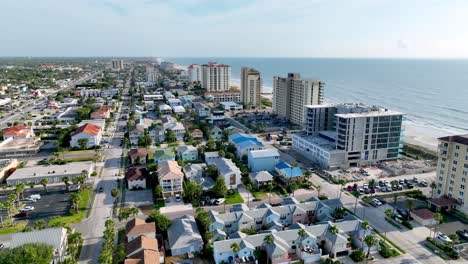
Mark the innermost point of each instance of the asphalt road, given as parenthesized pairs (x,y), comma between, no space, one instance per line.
(93,227)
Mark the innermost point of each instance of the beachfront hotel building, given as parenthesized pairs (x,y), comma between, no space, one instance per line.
(345,135)
(452,173)
(251,87)
(292,93)
(194,73)
(216,77)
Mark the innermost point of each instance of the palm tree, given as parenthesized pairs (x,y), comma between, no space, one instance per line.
(31,184)
(302,233)
(372,183)
(20,187)
(2,205)
(39,225)
(74,240)
(389,213)
(44,182)
(410,204)
(356,195)
(433,187)
(318,187)
(269,239)
(66,180)
(235,248)
(365,226)
(438,217)
(370,242)
(395,199)
(75,199)
(9,206)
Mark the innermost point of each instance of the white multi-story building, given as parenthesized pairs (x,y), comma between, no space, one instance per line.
(195,73)
(344,135)
(452,172)
(117,64)
(251,87)
(216,77)
(227,96)
(290,94)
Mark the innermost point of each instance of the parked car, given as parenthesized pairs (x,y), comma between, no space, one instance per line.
(400,187)
(372,190)
(376,202)
(220,201)
(389,189)
(462,234)
(403,213)
(424,183)
(381,184)
(30,199)
(27,208)
(355,187)
(410,186)
(177,198)
(101,189)
(35,196)
(361,190)
(415,180)
(443,238)
(22,214)
(400,181)
(349,188)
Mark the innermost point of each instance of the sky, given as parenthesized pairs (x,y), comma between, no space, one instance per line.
(235,28)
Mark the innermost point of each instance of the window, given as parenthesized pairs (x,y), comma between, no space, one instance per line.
(457,147)
(461,193)
(462,187)
(455,162)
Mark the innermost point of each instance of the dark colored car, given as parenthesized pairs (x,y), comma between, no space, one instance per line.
(101,189)
(349,188)
(355,187)
(372,190)
(463,234)
(403,213)
(22,214)
(410,186)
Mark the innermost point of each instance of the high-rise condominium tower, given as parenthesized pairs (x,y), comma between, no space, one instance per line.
(251,87)
(216,77)
(292,93)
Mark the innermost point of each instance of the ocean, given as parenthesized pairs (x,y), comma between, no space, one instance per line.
(433,93)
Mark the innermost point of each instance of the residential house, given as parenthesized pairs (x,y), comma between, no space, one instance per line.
(177,128)
(157,134)
(261,178)
(216,133)
(170,178)
(228,171)
(288,172)
(143,250)
(161,155)
(165,110)
(201,109)
(103,112)
(187,153)
(197,134)
(18,132)
(138,155)
(210,156)
(217,117)
(136,133)
(194,172)
(174,102)
(184,237)
(89,132)
(138,227)
(230,106)
(263,160)
(56,237)
(136,178)
(168,95)
(178,110)
(244,143)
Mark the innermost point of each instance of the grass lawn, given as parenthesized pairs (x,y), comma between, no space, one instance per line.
(173,144)
(174,259)
(18,227)
(80,159)
(260,195)
(73,219)
(234,198)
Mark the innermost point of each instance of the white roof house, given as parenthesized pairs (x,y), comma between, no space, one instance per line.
(184,236)
(228,170)
(178,109)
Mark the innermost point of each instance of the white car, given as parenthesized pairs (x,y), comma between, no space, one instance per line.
(31,199)
(35,196)
(177,197)
(443,238)
(376,202)
(27,208)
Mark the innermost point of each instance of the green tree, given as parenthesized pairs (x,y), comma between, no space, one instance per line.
(66,180)
(370,242)
(75,240)
(161,221)
(115,192)
(235,248)
(44,182)
(158,191)
(318,188)
(433,188)
(37,253)
(31,184)
(170,136)
(75,200)
(212,171)
(269,239)
(438,217)
(39,224)
(302,233)
(192,191)
(219,189)
(83,143)
(389,213)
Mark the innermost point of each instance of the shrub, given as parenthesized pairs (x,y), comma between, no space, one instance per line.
(387,251)
(407,224)
(323,197)
(357,255)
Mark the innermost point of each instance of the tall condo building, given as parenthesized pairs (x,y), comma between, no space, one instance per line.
(251,87)
(151,73)
(216,77)
(344,135)
(117,64)
(452,173)
(292,93)
(195,73)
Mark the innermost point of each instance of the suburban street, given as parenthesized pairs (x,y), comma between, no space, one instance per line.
(92,228)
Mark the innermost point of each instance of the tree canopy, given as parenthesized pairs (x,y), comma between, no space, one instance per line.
(27,253)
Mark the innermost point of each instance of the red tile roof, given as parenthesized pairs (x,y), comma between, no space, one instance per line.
(144,257)
(443,201)
(142,242)
(134,174)
(138,152)
(17,131)
(423,213)
(138,226)
(88,128)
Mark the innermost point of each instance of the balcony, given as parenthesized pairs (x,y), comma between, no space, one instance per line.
(246,260)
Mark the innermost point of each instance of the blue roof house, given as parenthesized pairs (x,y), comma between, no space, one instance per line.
(244,143)
(263,160)
(288,172)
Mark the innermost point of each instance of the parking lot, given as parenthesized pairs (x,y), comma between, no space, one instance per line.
(54,202)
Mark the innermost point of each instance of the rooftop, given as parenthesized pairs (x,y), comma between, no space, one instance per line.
(264,153)
(50,170)
(183,232)
(17,131)
(460,139)
(90,129)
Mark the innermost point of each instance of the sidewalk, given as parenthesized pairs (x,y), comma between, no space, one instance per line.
(246,195)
